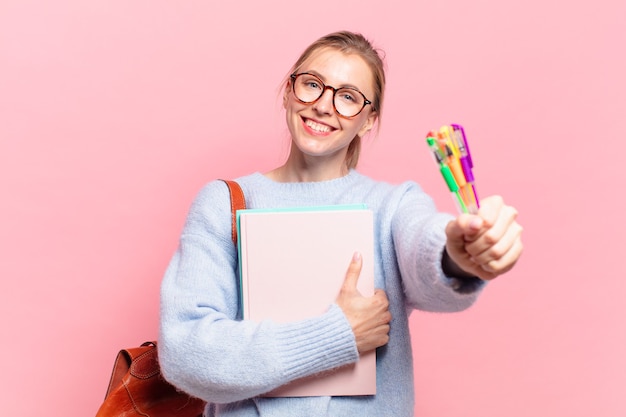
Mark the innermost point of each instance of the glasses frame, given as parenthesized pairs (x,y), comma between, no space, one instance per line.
(324,88)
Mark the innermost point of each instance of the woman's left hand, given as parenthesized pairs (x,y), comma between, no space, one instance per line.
(488,243)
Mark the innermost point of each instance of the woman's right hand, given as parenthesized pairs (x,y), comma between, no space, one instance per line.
(368,316)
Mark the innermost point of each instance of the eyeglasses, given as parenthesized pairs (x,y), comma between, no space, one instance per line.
(347,101)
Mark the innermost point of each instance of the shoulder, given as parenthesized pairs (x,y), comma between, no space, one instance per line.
(210,212)
(216,191)
(212,195)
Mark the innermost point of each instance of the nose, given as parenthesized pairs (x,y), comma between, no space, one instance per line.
(324,104)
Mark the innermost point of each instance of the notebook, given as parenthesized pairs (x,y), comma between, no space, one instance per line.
(293,263)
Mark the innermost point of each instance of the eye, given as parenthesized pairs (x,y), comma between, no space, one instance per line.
(349,96)
(311,83)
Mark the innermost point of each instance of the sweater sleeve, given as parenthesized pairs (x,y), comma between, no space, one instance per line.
(205,349)
(419,238)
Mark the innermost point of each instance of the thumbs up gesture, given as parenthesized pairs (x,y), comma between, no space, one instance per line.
(368,316)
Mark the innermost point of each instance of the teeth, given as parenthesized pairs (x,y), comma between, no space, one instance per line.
(317,127)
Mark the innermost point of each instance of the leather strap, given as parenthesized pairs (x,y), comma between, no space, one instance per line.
(237,202)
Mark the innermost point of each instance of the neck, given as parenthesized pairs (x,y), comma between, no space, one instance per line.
(302,170)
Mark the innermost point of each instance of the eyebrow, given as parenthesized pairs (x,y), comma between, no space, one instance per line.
(321,77)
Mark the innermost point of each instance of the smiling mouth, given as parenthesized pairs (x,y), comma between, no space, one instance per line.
(317,127)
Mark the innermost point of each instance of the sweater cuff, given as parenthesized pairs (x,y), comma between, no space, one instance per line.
(456,278)
(316,345)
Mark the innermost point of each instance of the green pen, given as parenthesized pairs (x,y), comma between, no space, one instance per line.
(447,174)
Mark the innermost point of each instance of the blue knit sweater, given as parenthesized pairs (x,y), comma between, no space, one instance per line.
(206,349)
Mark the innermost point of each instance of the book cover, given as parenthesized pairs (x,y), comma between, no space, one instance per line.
(293,263)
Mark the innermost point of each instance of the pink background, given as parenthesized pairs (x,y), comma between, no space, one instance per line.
(114,113)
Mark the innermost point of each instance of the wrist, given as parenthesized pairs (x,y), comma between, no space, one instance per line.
(461,281)
(451,269)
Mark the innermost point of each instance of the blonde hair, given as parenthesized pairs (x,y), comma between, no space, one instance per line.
(351,43)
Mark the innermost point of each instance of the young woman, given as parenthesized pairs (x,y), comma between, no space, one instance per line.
(424,260)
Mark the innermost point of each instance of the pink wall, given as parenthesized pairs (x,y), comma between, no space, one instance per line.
(114,113)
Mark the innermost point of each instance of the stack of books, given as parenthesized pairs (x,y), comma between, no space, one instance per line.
(293,263)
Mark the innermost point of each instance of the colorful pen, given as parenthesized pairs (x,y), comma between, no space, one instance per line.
(447,142)
(451,152)
(447,174)
(466,161)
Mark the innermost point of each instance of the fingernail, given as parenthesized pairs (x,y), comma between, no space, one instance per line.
(356,257)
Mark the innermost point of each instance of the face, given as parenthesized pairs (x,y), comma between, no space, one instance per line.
(316,130)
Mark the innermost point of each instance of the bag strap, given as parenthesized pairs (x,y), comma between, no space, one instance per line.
(127,358)
(237,202)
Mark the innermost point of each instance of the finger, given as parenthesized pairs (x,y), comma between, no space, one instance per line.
(464,228)
(490,208)
(502,253)
(507,261)
(493,236)
(473,226)
(353,272)
(380,300)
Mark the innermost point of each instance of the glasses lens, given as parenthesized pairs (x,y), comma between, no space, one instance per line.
(348,101)
(308,88)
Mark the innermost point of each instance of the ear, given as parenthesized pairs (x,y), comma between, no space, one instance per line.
(286,92)
(369,123)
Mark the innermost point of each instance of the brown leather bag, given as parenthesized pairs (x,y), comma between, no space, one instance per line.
(136,387)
